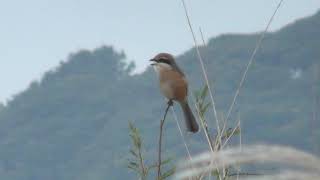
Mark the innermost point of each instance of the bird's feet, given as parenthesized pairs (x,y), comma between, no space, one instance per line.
(170,102)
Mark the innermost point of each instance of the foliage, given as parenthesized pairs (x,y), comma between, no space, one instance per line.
(220,138)
(137,164)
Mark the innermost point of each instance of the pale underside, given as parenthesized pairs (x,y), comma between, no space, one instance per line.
(173,84)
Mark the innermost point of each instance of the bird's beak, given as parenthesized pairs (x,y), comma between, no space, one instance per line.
(154,62)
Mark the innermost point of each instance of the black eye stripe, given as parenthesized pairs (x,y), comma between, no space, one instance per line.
(165,61)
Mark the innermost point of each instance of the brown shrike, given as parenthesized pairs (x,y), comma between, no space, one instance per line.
(174,86)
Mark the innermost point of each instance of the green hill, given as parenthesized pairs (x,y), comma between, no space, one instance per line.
(73,124)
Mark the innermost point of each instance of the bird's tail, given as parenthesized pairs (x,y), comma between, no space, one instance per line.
(191,122)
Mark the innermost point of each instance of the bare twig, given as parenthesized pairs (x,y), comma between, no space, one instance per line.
(143,169)
(202,64)
(207,82)
(244,174)
(231,135)
(246,71)
(203,124)
(181,134)
(170,103)
(249,64)
(206,132)
(202,37)
(315,97)
(240,144)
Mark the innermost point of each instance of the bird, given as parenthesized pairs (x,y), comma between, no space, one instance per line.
(174,86)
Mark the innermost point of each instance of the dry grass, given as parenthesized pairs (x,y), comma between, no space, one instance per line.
(209,161)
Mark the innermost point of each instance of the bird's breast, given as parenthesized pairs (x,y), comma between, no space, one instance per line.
(173,85)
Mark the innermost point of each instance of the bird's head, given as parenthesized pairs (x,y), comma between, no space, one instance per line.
(163,61)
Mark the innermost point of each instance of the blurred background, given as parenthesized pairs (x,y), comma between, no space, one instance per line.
(45,32)
(74,73)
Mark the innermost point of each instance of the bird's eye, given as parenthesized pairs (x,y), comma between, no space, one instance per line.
(165,61)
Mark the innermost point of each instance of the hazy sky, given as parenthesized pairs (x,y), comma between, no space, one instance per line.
(36,34)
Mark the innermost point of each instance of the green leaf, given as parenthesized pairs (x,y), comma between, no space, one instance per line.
(231,132)
(168,173)
(134,164)
(204,92)
(166,161)
(206,107)
(133,153)
(133,168)
(215,173)
(153,166)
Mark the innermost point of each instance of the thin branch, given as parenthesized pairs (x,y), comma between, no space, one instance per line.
(202,64)
(181,134)
(170,103)
(206,132)
(205,77)
(313,122)
(231,135)
(202,37)
(143,169)
(240,144)
(244,174)
(250,62)
(248,67)
(204,126)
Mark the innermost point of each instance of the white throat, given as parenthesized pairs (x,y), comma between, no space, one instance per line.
(160,67)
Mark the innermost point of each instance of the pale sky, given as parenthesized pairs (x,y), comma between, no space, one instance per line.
(36,34)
